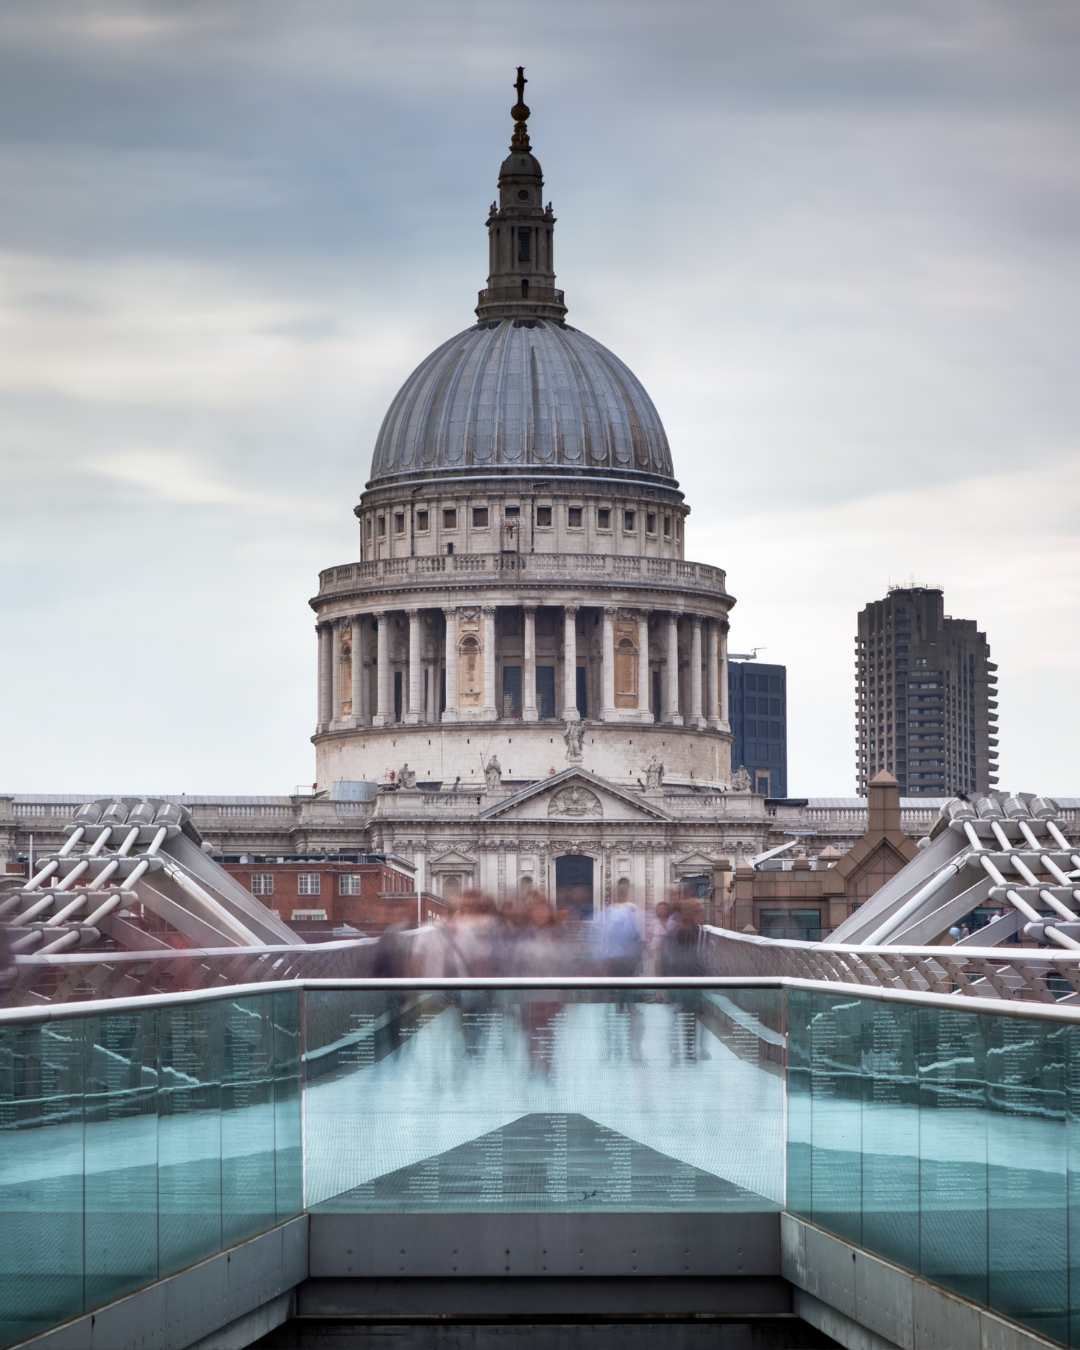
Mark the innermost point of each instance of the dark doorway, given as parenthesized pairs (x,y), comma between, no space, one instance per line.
(398,695)
(656,695)
(574,885)
(511,692)
(583,691)
(545,691)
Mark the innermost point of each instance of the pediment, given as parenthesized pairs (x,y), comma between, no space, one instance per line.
(575,794)
(452,858)
(696,859)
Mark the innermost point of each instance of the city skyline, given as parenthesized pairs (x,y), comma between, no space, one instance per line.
(218,281)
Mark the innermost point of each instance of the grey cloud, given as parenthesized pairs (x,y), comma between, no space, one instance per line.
(837,242)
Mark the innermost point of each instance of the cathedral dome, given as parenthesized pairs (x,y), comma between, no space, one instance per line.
(529,395)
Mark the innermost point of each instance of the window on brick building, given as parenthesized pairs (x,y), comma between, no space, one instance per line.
(262,883)
(308,883)
(349,883)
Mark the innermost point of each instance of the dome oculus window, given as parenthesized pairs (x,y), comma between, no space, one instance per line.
(399,522)
(380,525)
(449,518)
(650,522)
(543,517)
(603,517)
(480,517)
(574,517)
(423,521)
(629,521)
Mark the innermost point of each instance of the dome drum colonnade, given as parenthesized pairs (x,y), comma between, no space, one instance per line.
(424,665)
(521,500)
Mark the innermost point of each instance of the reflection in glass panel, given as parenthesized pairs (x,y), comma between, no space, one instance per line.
(288,1165)
(41,1181)
(189,1134)
(890,1132)
(1027,1159)
(249,1203)
(798,1103)
(1072,1098)
(836,1114)
(120,1154)
(952,1147)
(542,1099)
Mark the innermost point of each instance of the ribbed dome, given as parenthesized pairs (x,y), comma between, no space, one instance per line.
(521,395)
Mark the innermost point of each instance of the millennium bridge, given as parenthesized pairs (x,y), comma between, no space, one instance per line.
(870,1144)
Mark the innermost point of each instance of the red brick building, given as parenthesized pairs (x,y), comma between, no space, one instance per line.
(320,893)
(806,898)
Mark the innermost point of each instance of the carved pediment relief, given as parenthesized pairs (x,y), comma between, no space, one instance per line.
(575,801)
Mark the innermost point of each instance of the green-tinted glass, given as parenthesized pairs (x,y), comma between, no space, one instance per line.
(1027,1172)
(890,1132)
(288,1127)
(249,1202)
(953,1110)
(189,1134)
(120,1152)
(836,1116)
(799,1134)
(41,1176)
(543,1099)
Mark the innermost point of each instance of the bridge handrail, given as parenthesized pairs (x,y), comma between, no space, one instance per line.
(1060,1012)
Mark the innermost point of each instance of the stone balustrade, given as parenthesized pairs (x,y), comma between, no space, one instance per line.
(567,567)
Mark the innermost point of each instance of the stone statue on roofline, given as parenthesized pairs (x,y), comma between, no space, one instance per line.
(654,774)
(493,773)
(740,780)
(406,777)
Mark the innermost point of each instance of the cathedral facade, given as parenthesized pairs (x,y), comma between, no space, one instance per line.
(523,659)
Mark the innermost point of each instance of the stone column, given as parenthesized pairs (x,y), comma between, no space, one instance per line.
(529,710)
(712,667)
(696,718)
(490,710)
(326,689)
(384,689)
(644,683)
(336,672)
(725,709)
(430,673)
(607,666)
(412,713)
(451,713)
(671,673)
(570,709)
(359,712)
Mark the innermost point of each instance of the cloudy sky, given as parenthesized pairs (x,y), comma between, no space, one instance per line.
(839,242)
